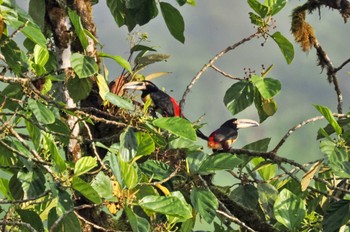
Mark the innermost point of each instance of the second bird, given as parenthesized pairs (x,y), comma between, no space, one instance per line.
(223,137)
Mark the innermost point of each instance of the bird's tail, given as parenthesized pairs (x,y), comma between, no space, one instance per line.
(201,135)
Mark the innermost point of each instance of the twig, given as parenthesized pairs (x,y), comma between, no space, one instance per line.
(225,74)
(94,147)
(173,174)
(210,63)
(235,220)
(25,200)
(342,65)
(16,223)
(93,225)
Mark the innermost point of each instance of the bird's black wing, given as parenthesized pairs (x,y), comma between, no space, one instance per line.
(163,102)
(225,133)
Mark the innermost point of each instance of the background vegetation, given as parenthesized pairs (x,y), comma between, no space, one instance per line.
(77,153)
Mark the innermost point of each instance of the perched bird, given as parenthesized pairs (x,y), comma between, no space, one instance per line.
(222,138)
(161,101)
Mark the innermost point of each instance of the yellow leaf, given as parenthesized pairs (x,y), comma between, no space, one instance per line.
(102,86)
(305,181)
(163,189)
(156,75)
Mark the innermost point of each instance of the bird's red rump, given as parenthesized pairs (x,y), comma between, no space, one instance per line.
(177,111)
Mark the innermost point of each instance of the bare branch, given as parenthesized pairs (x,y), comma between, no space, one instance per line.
(210,63)
(225,74)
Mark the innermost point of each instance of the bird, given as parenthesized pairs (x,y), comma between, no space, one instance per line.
(223,137)
(161,101)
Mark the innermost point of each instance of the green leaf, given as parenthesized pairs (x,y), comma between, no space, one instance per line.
(289,209)
(145,144)
(173,20)
(140,47)
(266,169)
(337,215)
(327,113)
(79,29)
(239,96)
(156,170)
(275,5)
(117,8)
(53,151)
(33,182)
(15,57)
(34,133)
(37,11)
(102,86)
(115,167)
(41,55)
(84,164)
(84,66)
(338,158)
(120,60)
(30,29)
(267,87)
(246,195)
(41,112)
(129,174)
(69,222)
(15,187)
(194,160)
(78,88)
(205,202)
(259,8)
(285,46)
(143,61)
(168,205)
(259,106)
(86,190)
(119,101)
(128,144)
(267,197)
(137,223)
(177,126)
(221,161)
(103,185)
(256,19)
(32,218)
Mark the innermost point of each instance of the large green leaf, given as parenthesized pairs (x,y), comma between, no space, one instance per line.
(33,182)
(132,12)
(246,195)
(32,218)
(119,101)
(220,161)
(285,46)
(156,170)
(41,55)
(205,202)
(129,174)
(137,223)
(84,164)
(337,215)
(145,144)
(103,185)
(52,149)
(267,87)
(177,126)
(79,30)
(289,209)
(259,106)
(120,60)
(173,20)
(84,66)
(78,88)
(37,10)
(42,113)
(327,113)
(86,190)
(15,188)
(128,144)
(168,205)
(260,9)
(239,96)
(28,27)
(15,57)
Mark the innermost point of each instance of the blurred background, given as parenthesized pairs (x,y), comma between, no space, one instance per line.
(210,27)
